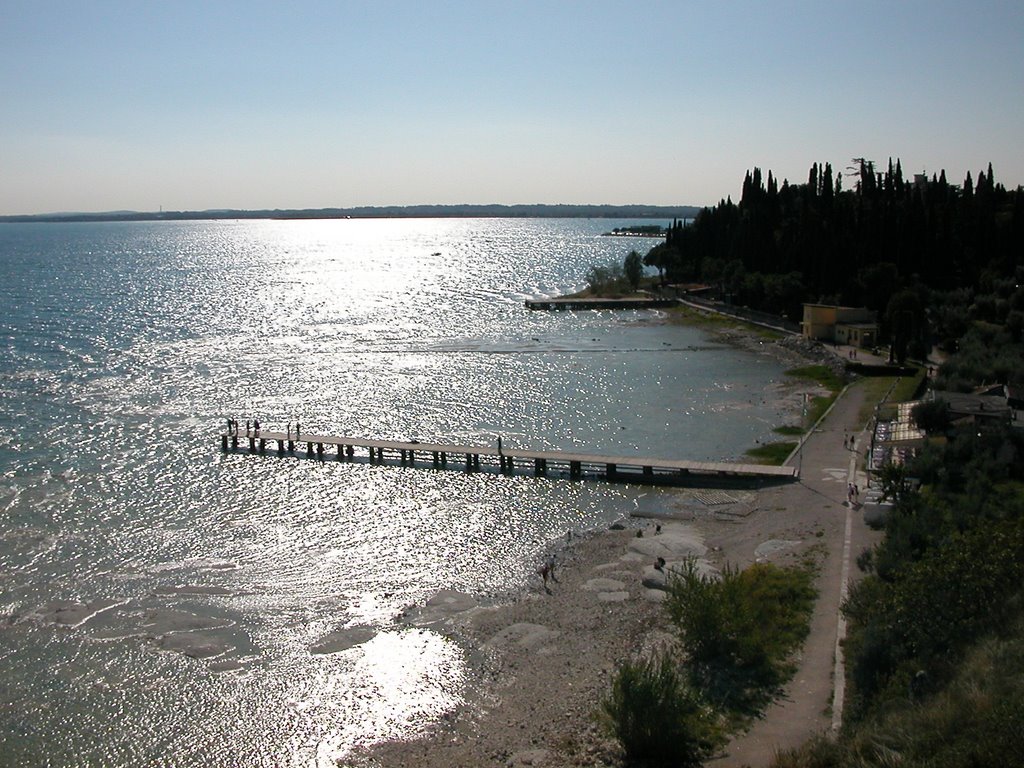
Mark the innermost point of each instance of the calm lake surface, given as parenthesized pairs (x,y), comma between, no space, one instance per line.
(162,602)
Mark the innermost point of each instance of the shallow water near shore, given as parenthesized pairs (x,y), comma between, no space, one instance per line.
(164,602)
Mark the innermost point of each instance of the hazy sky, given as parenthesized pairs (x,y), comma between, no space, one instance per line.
(194,105)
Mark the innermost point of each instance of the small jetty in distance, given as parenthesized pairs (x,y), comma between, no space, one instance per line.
(637,230)
(596,302)
(471,458)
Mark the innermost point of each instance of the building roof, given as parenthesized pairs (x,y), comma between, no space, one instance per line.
(979,406)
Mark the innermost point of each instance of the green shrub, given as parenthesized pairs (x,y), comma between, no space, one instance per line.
(932,610)
(656,717)
(820,752)
(975,720)
(605,281)
(932,416)
(633,269)
(739,631)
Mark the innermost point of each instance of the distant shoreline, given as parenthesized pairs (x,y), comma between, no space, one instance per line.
(634,234)
(539,211)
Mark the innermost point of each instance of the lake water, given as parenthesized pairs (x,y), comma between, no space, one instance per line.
(162,601)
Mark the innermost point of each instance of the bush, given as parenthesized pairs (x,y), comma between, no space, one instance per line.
(932,416)
(657,717)
(933,610)
(820,752)
(606,280)
(739,631)
(976,720)
(633,269)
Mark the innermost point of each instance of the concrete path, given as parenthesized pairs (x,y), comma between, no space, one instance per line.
(814,508)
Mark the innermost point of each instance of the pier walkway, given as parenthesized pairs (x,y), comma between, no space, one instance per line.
(470,458)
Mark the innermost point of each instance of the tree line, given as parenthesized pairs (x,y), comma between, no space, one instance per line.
(927,255)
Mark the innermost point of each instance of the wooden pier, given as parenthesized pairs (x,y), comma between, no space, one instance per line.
(471,458)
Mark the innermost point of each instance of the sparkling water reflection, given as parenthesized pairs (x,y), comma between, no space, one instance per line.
(162,602)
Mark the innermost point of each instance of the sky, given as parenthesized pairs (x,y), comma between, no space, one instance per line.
(109,105)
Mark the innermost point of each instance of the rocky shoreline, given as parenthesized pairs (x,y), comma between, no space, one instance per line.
(542,664)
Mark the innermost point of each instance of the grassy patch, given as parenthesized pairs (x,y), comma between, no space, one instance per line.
(886,390)
(789,431)
(618,291)
(817,408)
(821,374)
(772,453)
(824,377)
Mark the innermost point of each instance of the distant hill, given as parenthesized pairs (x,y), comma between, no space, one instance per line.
(393,211)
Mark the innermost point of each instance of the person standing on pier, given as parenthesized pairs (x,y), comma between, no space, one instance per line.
(499,445)
(297,425)
(256,427)
(289,430)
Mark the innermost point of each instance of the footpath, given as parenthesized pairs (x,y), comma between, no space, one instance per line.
(817,504)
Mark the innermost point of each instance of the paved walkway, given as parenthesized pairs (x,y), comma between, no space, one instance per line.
(816,507)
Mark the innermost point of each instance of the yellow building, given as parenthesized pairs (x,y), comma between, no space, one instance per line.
(855,326)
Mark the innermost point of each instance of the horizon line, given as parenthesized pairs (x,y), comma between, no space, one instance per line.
(452,210)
